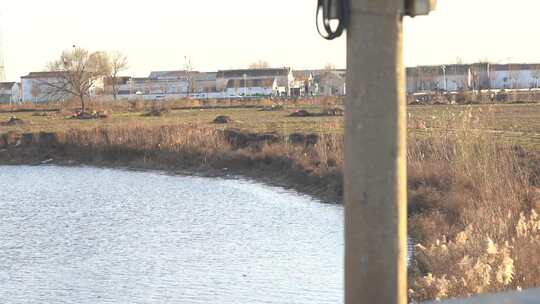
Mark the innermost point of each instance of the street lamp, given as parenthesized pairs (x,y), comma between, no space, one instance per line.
(245,85)
(187,68)
(443,67)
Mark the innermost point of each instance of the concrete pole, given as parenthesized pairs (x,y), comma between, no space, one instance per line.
(375,156)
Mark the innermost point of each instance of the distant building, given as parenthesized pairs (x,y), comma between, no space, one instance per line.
(331,82)
(10,92)
(252,87)
(516,76)
(160,85)
(282,77)
(38,87)
(478,76)
(204,82)
(454,77)
(171,75)
(123,86)
(304,83)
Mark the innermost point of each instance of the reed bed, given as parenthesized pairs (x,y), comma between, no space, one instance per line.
(472,213)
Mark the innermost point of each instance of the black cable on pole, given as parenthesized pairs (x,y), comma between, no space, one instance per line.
(332,10)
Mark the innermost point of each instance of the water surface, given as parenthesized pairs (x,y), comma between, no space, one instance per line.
(87,235)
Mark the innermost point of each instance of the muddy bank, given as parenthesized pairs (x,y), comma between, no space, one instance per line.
(253,155)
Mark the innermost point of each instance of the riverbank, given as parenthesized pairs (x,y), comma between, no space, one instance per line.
(466,191)
(290,162)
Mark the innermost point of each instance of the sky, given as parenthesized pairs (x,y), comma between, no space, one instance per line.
(222,34)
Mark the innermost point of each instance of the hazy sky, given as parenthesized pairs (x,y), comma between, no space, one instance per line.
(157,34)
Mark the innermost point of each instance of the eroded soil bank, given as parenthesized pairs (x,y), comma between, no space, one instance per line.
(233,153)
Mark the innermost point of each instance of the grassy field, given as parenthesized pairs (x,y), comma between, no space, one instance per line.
(516,123)
(512,123)
(473,202)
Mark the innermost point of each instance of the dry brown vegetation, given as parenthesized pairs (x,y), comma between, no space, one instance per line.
(473,215)
(473,200)
(309,163)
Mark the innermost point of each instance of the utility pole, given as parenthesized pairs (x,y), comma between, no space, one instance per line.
(375,152)
(375,156)
(187,69)
(375,144)
(443,67)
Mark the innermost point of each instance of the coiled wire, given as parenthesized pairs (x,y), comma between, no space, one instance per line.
(342,13)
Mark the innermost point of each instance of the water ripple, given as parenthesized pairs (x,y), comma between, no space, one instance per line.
(87,235)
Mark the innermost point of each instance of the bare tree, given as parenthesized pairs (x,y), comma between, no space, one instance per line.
(259,64)
(78,72)
(119,63)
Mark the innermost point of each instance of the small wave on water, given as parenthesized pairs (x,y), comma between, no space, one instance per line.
(88,235)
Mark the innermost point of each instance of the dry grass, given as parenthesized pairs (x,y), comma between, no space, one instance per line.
(472,209)
(195,146)
(514,124)
(312,165)
(471,215)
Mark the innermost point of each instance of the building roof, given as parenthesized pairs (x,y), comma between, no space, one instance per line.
(271,72)
(159,80)
(515,66)
(170,74)
(250,83)
(6,85)
(333,74)
(434,70)
(53,74)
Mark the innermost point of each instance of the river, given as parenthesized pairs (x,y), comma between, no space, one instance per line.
(90,235)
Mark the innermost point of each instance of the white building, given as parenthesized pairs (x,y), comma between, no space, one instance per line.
(165,85)
(331,83)
(161,85)
(515,76)
(10,92)
(36,87)
(282,77)
(445,77)
(252,87)
(479,76)
(304,83)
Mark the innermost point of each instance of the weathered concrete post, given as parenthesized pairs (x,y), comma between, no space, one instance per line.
(375,155)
